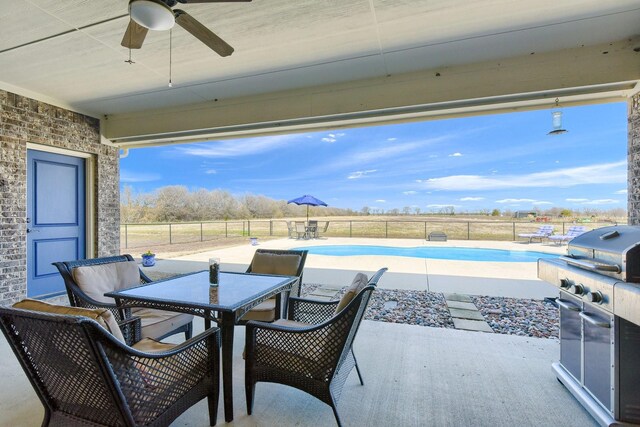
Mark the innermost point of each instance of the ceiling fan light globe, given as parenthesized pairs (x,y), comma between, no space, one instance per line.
(152,14)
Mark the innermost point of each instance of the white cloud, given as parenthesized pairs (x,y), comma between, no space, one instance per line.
(238,147)
(577,200)
(436,206)
(409,193)
(128,176)
(532,201)
(601,202)
(622,192)
(360,174)
(381,201)
(605,173)
(471,199)
(433,156)
(329,139)
(391,139)
(211,171)
(593,202)
(332,137)
(455,155)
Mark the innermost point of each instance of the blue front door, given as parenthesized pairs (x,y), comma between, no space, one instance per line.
(55,218)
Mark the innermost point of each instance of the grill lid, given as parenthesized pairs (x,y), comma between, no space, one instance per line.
(613,251)
(618,239)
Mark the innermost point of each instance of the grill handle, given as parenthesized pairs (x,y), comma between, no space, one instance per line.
(595,322)
(566,304)
(591,265)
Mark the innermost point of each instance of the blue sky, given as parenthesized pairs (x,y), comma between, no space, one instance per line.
(504,161)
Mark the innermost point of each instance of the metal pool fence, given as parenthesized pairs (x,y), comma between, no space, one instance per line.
(148,235)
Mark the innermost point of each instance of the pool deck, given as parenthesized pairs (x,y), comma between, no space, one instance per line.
(505,279)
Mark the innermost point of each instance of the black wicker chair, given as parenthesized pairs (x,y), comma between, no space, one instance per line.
(316,358)
(269,310)
(85,376)
(78,298)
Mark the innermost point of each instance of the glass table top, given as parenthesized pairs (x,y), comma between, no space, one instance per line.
(234,290)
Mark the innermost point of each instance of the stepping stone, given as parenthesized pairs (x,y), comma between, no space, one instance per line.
(471,325)
(457,297)
(325,291)
(466,314)
(462,305)
(390,305)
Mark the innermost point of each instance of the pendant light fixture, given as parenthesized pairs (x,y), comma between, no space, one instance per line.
(556,120)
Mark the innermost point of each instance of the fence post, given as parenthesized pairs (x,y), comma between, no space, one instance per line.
(248,228)
(350,228)
(170,233)
(226,229)
(126,236)
(425,230)
(386,229)
(514,231)
(201,233)
(243,229)
(563,227)
(270,227)
(468,230)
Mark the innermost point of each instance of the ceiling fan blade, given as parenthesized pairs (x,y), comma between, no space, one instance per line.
(202,33)
(134,36)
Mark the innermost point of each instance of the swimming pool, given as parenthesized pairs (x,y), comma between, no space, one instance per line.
(451,253)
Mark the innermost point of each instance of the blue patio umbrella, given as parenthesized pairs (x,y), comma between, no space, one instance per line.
(309,201)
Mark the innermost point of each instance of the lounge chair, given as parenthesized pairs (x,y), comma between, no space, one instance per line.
(543,233)
(572,232)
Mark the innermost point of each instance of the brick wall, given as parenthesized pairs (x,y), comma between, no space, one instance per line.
(24,120)
(633,161)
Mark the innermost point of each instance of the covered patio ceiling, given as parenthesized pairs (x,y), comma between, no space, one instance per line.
(309,64)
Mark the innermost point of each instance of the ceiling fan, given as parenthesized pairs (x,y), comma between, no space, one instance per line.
(158,15)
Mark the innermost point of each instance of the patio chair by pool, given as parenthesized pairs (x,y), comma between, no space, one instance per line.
(572,232)
(301,230)
(87,280)
(543,232)
(312,350)
(275,261)
(85,374)
(291,229)
(321,229)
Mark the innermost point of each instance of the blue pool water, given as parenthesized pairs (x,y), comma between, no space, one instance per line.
(460,254)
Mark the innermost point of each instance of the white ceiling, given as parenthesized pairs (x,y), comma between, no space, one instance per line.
(280,45)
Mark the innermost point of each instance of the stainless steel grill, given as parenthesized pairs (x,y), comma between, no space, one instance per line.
(599,300)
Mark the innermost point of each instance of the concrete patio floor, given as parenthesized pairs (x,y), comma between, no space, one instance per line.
(505,279)
(414,376)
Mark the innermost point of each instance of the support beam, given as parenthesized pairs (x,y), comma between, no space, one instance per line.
(577,76)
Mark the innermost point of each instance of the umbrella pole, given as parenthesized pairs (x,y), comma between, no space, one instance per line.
(307,214)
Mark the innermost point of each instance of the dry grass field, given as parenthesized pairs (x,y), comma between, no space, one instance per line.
(216,233)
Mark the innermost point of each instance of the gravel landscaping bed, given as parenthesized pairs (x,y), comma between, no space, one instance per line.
(511,316)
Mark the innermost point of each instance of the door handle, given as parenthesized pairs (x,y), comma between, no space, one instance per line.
(30,230)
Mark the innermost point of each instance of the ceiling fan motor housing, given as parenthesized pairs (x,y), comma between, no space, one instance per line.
(152,14)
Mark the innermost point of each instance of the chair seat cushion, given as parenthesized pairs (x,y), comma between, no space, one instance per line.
(291,323)
(264,312)
(96,280)
(359,282)
(148,345)
(157,323)
(103,316)
(279,264)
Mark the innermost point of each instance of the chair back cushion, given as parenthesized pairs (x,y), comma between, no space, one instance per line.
(358,284)
(281,264)
(96,280)
(100,315)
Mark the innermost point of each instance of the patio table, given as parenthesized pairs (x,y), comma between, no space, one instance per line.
(236,294)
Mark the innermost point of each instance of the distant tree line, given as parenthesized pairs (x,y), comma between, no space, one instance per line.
(175,203)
